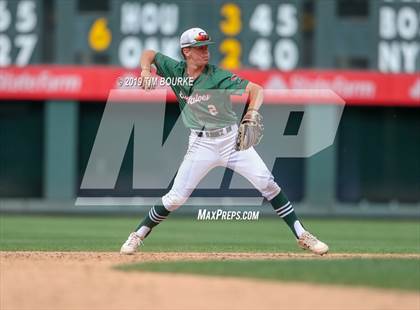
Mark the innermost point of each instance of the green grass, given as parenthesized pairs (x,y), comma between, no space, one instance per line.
(384,273)
(177,234)
(187,234)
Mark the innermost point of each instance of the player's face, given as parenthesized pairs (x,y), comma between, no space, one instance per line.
(199,55)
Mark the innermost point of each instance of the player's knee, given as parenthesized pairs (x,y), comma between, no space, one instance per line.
(173,200)
(270,189)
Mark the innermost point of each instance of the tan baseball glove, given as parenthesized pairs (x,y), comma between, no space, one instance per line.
(250,130)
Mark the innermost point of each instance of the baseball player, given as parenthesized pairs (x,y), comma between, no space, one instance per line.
(215,138)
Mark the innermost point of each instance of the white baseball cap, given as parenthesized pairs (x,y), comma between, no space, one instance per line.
(194,37)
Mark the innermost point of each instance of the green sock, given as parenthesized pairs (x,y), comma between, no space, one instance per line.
(156,215)
(284,209)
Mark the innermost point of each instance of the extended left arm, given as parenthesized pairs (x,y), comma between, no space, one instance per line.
(256,96)
(250,130)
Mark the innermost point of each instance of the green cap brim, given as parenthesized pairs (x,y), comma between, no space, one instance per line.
(202,43)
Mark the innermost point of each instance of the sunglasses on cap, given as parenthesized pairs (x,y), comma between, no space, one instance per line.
(202,37)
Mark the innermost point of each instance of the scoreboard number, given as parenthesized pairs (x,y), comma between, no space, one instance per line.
(5,16)
(233,50)
(232,23)
(26,18)
(100,36)
(260,54)
(261,20)
(5,48)
(287,21)
(26,44)
(25,40)
(285,52)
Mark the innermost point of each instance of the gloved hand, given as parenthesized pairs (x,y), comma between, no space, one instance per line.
(250,130)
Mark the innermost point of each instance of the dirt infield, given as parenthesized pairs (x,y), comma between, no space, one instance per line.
(82,280)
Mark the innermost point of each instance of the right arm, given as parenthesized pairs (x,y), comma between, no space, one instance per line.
(146,60)
(165,66)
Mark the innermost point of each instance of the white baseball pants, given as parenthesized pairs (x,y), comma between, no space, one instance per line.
(204,154)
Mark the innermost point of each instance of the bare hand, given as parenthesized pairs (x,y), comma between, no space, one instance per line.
(147,80)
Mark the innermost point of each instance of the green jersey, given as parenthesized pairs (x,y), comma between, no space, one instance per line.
(206,104)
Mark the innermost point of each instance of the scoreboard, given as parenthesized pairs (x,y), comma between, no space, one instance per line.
(398,37)
(66,54)
(263,35)
(256,34)
(20,32)
(248,33)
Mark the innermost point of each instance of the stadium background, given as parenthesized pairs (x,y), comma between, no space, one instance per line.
(59,59)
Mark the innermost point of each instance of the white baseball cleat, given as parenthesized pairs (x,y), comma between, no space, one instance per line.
(307,241)
(131,245)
